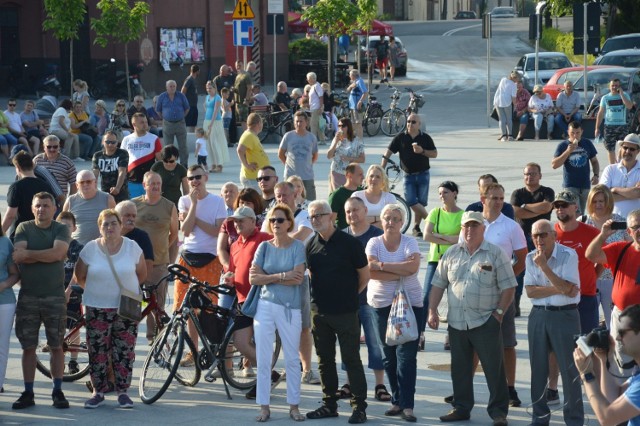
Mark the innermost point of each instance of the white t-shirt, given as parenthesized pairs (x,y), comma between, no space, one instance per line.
(210,209)
(375,209)
(315,95)
(15,123)
(101,289)
(54,125)
(505,93)
(203,147)
(380,293)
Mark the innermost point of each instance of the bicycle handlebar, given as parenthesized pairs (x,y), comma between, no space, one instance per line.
(183,274)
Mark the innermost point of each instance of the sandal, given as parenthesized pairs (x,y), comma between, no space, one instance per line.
(296,416)
(264,416)
(382,394)
(322,413)
(344,392)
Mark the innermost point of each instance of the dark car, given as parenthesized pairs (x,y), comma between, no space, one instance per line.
(629,58)
(626,41)
(403,57)
(466,14)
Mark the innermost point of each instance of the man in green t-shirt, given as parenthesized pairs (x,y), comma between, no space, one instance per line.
(40,250)
(339,197)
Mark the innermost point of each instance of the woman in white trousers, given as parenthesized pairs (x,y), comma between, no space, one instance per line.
(8,277)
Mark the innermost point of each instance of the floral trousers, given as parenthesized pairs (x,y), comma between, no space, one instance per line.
(110,338)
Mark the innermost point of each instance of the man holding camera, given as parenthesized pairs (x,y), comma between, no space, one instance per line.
(611,403)
(624,258)
(552,282)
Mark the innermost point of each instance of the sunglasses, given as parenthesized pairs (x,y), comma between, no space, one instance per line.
(541,235)
(279,220)
(169,161)
(318,216)
(120,105)
(264,178)
(11,104)
(111,142)
(412,121)
(85,182)
(561,205)
(52,147)
(196,177)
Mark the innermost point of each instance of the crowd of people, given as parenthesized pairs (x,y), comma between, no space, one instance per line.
(323,269)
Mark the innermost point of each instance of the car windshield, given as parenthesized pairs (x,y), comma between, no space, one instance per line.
(551,63)
(621,43)
(602,80)
(628,61)
(502,11)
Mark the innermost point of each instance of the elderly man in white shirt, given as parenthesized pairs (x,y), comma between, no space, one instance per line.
(503,101)
(567,108)
(623,177)
(316,105)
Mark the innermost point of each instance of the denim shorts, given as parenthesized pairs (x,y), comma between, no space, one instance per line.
(416,188)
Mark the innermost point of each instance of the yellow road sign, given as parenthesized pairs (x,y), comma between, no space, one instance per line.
(243,10)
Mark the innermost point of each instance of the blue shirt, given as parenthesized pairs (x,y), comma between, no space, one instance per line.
(172,110)
(7,296)
(576,172)
(356,93)
(211,103)
(632,394)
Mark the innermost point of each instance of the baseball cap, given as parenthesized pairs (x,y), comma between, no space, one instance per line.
(243,213)
(16,149)
(630,138)
(472,217)
(565,197)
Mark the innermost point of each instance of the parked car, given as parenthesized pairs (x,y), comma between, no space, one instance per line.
(598,84)
(466,14)
(503,12)
(629,58)
(371,53)
(555,85)
(626,41)
(548,64)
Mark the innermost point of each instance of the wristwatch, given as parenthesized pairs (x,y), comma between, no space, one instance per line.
(499,311)
(589,377)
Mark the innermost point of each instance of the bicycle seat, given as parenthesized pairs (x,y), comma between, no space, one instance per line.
(373,98)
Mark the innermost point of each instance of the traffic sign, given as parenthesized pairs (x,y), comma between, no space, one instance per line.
(243,32)
(242,11)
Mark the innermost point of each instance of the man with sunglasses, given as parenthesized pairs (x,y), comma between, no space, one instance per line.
(623,178)
(552,282)
(60,166)
(613,110)
(625,257)
(267,180)
(415,148)
(144,150)
(18,131)
(110,165)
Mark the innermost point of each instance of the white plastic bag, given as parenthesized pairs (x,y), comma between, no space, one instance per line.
(401,325)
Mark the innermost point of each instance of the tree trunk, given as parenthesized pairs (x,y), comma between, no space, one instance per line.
(70,67)
(330,63)
(126,71)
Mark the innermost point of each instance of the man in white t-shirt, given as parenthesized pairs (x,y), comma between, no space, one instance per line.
(316,105)
(144,150)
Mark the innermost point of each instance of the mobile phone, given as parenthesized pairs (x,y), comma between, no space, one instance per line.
(618,225)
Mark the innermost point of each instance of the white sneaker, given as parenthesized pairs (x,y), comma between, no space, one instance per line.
(310,377)
(248,372)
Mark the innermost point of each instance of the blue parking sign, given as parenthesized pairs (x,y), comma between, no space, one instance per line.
(243,32)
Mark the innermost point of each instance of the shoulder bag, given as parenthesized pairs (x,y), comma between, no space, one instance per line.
(130,305)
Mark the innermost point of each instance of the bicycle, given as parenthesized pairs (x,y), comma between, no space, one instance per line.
(74,343)
(342,105)
(394,120)
(415,102)
(394,172)
(275,122)
(372,117)
(215,326)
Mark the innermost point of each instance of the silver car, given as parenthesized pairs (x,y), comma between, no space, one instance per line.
(548,64)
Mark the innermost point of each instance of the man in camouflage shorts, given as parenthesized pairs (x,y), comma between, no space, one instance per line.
(40,250)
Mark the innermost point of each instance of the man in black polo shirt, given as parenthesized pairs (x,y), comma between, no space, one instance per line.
(414,148)
(282,98)
(338,271)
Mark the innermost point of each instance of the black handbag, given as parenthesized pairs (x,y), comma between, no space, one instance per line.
(197,260)
(89,129)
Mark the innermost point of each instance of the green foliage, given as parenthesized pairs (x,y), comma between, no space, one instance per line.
(307,49)
(627,19)
(386,17)
(337,17)
(119,21)
(294,6)
(556,41)
(64,17)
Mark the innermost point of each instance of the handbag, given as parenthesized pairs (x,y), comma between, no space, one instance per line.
(89,129)
(130,305)
(401,324)
(494,114)
(250,305)
(197,260)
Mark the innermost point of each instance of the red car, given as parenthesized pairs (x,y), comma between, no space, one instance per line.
(555,85)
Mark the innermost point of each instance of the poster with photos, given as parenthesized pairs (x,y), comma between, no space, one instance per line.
(181,46)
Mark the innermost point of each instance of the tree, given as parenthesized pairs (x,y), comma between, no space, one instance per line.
(64,17)
(336,17)
(122,23)
(624,15)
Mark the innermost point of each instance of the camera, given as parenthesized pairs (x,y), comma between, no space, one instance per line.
(597,339)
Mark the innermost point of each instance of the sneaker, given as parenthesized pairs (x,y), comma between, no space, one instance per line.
(248,372)
(310,378)
(251,394)
(552,397)
(125,401)
(511,139)
(188,361)
(514,401)
(59,401)
(73,367)
(25,400)
(95,401)
(276,378)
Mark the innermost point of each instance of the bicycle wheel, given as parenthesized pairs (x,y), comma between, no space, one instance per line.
(238,371)
(74,345)
(393,122)
(188,375)
(162,362)
(372,122)
(407,212)
(266,131)
(285,127)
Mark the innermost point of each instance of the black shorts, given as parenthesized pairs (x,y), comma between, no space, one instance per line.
(242,321)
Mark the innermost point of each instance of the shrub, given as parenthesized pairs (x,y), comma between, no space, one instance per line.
(307,49)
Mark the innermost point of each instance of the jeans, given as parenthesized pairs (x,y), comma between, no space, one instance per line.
(588,309)
(416,188)
(524,118)
(7,312)
(563,125)
(400,362)
(86,145)
(371,338)
(505,116)
(426,289)
(538,118)
(605,287)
